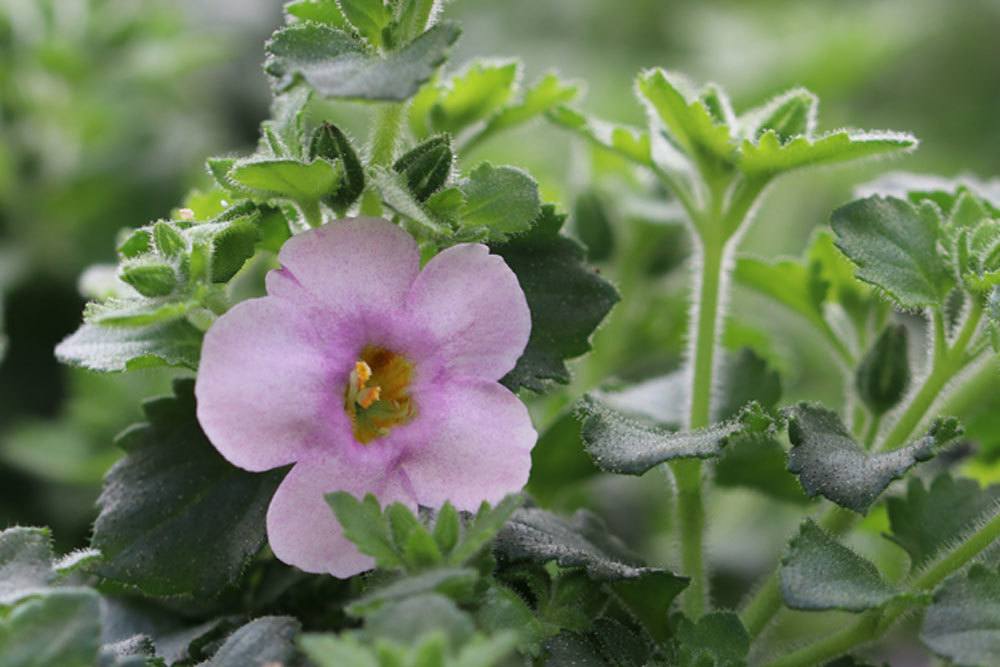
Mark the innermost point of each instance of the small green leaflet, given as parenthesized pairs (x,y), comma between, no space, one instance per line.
(895,246)
(473,94)
(369,18)
(770,156)
(819,573)
(929,518)
(568,300)
(291,179)
(963,623)
(457,583)
(717,639)
(830,463)
(175,517)
(628,445)
(502,201)
(547,93)
(631,143)
(321,11)
(336,64)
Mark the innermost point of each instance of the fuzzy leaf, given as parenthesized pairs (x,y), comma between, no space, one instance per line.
(60,628)
(25,563)
(769,155)
(788,115)
(502,201)
(926,520)
(546,94)
(427,166)
(895,247)
(483,527)
(819,573)
(628,445)
(829,462)
(883,376)
(175,517)
(963,623)
(629,142)
(330,143)
(369,18)
(410,619)
(396,193)
(173,342)
(717,639)
(473,95)
(263,642)
(366,526)
(288,178)
(321,11)
(568,300)
(336,64)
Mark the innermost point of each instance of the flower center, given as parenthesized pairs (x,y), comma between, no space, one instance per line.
(377,396)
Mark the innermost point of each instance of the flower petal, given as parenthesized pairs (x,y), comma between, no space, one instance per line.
(266,388)
(349,266)
(302,528)
(472,303)
(471,442)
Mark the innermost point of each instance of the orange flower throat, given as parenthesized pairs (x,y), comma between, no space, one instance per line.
(377,397)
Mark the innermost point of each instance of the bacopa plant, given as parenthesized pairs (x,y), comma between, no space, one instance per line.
(343,475)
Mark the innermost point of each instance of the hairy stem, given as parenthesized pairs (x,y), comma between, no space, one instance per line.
(385,136)
(874,623)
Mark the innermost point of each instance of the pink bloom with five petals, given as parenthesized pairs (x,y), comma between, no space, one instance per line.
(370,375)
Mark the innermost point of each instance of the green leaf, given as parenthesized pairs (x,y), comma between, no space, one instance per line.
(136,243)
(396,193)
(769,155)
(502,609)
(502,201)
(568,300)
(336,64)
(829,462)
(173,342)
(926,520)
(411,619)
(366,526)
(175,517)
(232,246)
(169,242)
(819,573)
(746,377)
(483,527)
(25,563)
(963,623)
(330,143)
(689,123)
(369,18)
(455,583)
(558,461)
(447,528)
(412,17)
(149,277)
(545,95)
(472,95)
(329,650)
(629,142)
(321,11)
(717,639)
(286,127)
(427,166)
(624,444)
(758,463)
(286,178)
(895,247)
(788,115)
(269,640)
(883,376)
(60,628)
(592,225)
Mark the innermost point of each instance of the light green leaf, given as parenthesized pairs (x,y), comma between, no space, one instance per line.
(336,64)
(630,445)
(788,115)
(265,641)
(175,517)
(480,90)
(568,300)
(545,95)
(769,155)
(502,201)
(149,277)
(830,463)
(411,619)
(483,527)
(60,628)
(288,178)
(926,520)
(25,563)
(631,143)
(173,342)
(365,525)
(321,11)
(369,18)
(819,573)
(455,583)
(895,247)
(963,623)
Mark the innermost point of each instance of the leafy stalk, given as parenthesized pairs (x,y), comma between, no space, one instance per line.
(385,136)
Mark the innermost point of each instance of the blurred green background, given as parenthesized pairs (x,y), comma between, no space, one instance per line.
(109,107)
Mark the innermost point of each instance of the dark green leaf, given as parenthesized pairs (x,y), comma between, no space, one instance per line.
(330,143)
(883,376)
(963,623)
(173,342)
(570,649)
(336,64)
(59,628)
(895,247)
(175,516)
(396,193)
(926,520)
(263,642)
(624,444)
(717,639)
(502,609)
(758,463)
(593,227)
(558,461)
(568,300)
(829,462)
(502,201)
(819,573)
(427,166)
(746,378)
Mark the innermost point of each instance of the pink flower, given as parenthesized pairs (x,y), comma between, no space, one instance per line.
(371,376)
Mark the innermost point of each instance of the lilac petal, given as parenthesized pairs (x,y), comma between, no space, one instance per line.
(471,302)
(471,441)
(349,266)
(267,387)
(302,528)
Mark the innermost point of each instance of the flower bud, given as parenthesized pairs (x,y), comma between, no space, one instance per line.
(883,375)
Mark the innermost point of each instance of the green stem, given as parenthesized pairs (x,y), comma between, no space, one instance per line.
(312,213)
(874,623)
(385,136)
(872,431)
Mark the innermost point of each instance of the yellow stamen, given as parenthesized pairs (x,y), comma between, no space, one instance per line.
(377,396)
(363,372)
(368,396)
